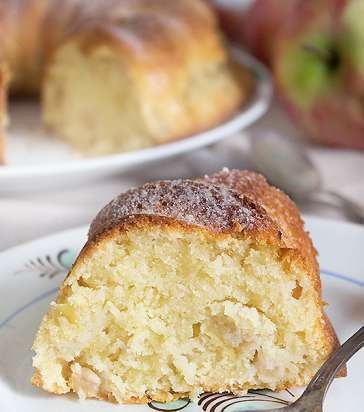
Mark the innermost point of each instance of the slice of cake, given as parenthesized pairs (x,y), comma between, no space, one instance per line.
(188,286)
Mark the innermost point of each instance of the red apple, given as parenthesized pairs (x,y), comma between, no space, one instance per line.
(253,24)
(262,25)
(231,15)
(319,70)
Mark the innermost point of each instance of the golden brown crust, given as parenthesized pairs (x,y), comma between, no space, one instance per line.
(226,202)
(333,340)
(37,379)
(280,208)
(278,205)
(153,29)
(196,203)
(32,30)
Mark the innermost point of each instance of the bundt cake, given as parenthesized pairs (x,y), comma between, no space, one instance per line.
(187,286)
(120,75)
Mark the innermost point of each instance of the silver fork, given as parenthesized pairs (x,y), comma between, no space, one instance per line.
(313,397)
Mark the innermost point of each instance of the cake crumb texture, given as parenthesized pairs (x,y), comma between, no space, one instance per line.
(185,287)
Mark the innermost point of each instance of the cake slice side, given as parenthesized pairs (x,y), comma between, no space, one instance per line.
(183,287)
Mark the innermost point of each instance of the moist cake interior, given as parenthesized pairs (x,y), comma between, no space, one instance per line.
(164,313)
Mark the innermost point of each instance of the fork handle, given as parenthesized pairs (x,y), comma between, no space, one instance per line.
(323,378)
(351,208)
(313,397)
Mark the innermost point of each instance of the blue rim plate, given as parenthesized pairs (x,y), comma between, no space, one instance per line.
(31,273)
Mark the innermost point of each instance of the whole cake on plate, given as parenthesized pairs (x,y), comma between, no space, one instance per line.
(119,75)
(188,286)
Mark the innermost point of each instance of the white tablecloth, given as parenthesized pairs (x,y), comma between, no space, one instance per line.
(28,216)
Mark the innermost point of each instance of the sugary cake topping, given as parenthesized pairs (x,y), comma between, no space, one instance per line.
(193,202)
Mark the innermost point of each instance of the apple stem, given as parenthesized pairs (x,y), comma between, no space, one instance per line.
(327,56)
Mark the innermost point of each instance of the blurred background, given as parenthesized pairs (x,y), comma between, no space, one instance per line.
(310,142)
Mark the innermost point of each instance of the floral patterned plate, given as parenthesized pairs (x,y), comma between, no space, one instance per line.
(31,273)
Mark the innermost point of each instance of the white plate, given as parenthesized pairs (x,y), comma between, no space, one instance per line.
(31,273)
(38,161)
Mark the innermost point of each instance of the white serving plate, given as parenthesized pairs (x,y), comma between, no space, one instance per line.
(30,276)
(39,161)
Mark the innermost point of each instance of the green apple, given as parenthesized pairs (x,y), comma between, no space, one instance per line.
(318,66)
